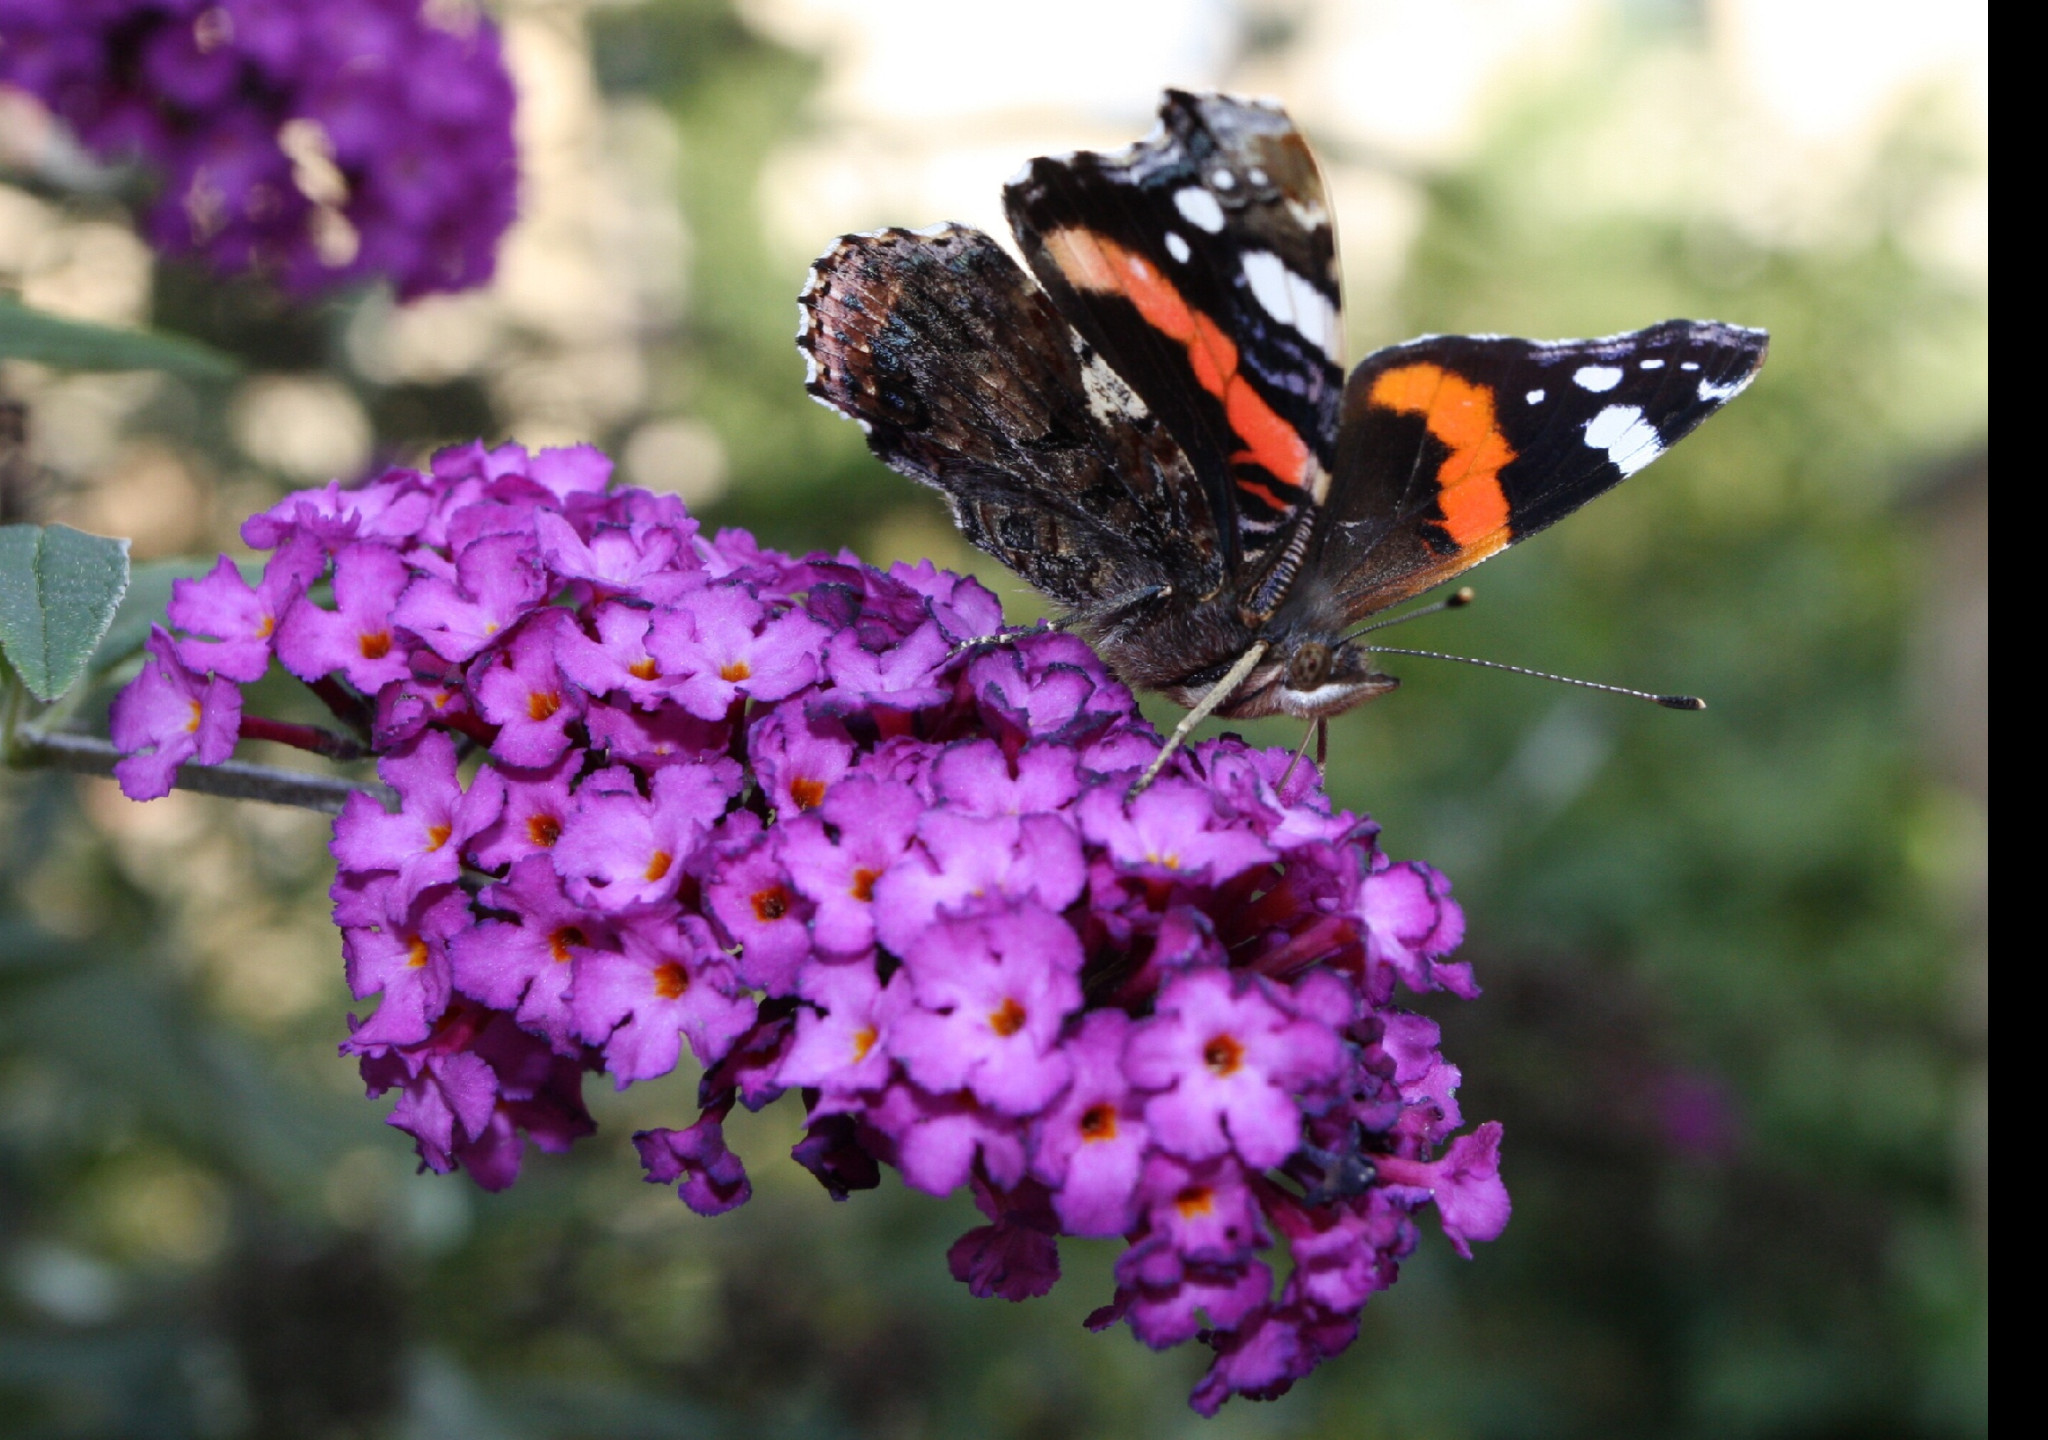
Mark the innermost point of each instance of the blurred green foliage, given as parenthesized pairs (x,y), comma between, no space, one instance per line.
(1728,956)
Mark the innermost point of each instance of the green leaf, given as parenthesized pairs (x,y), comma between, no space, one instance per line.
(27,334)
(58,590)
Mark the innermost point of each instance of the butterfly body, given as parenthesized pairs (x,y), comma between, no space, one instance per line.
(1159,433)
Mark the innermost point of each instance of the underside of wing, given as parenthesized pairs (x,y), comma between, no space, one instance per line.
(1454,447)
(1201,263)
(963,376)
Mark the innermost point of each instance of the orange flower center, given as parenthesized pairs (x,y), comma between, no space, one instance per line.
(671,979)
(437,836)
(808,794)
(1223,1055)
(376,645)
(1195,1200)
(1007,1020)
(658,865)
(863,887)
(771,904)
(192,725)
(543,703)
(269,624)
(643,669)
(560,941)
(417,954)
(863,1041)
(1098,1122)
(735,670)
(543,830)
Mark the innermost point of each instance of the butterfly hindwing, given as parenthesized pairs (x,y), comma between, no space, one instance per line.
(1201,262)
(1453,447)
(964,376)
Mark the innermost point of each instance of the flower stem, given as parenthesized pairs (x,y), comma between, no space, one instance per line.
(86,755)
(302,737)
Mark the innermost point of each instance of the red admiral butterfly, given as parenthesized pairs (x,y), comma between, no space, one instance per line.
(1163,438)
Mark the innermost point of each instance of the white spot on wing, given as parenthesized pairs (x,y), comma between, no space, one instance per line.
(1177,247)
(1292,300)
(1255,175)
(1597,378)
(1109,400)
(1653,365)
(1630,441)
(1688,364)
(1223,180)
(1713,394)
(1199,208)
(1534,397)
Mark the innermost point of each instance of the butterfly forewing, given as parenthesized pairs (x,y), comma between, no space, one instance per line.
(1201,262)
(1453,447)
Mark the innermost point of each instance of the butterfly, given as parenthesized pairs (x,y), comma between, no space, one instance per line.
(1159,433)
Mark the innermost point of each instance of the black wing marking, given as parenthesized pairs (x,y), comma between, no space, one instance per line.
(1201,262)
(964,377)
(1454,447)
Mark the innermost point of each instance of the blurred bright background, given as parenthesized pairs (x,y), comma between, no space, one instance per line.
(1735,962)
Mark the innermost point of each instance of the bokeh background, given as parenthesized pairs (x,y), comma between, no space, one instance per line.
(1735,962)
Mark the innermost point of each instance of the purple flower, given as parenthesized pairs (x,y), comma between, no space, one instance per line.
(724,647)
(617,660)
(963,863)
(760,806)
(1170,830)
(1016,1257)
(836,856)
(712,1179)
(665,984)
(1227,1061)
(168,716)
(975,777)
(1413,922)
(423,842)
(241,618)
(521,691)
(759,909)
(624,851)
(838,1046)
(1091,1145)
(531,807)
(359,637)
(496,582)
(399,950)
(1465,1184)
(524,966)
(797,761)
(323,144)
(991,995)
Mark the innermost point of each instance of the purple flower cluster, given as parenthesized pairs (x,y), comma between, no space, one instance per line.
(657,789)
(323,143)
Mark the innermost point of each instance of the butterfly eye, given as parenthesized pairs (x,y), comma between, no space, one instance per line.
(1308,666)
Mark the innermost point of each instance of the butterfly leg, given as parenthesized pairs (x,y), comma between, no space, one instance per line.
(1218,693)
(1120,610)
(1300,750)
(1001,637)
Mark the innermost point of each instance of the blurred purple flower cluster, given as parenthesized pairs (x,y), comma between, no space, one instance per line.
(656,788)
(323,143)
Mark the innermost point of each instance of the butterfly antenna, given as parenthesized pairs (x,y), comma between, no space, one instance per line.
(1457,600)
(1669,702)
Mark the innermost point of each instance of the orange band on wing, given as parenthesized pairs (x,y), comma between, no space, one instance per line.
(1094,262)
(1460,414)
